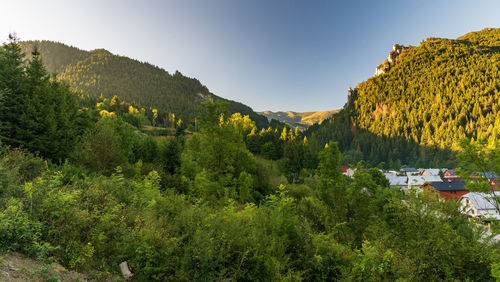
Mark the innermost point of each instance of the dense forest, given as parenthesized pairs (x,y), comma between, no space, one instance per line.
(90,183)
(417,112)
(100,72)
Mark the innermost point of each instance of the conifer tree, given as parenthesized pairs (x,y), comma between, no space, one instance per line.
(37,113)
(12,81)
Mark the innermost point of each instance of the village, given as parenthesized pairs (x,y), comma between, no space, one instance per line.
(485,207)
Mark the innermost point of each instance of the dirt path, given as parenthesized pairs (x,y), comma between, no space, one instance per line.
(16,267)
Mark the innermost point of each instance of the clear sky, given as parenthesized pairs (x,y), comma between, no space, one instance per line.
(268,54)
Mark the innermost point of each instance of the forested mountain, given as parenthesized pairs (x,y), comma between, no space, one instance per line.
(424,101)
(101,72)
(302,120)
(89,188)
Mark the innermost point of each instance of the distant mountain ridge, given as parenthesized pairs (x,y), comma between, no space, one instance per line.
(99,72)
(301,119)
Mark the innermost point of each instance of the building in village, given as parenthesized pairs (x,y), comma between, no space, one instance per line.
(449,175)
(431,171)
(398,180)
(347,171)
(420,180)
(481,205)
(409,170)
(449,190)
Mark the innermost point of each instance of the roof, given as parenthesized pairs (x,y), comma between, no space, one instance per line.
(432,171)
(481,201)
(422,179)
(396,180)
(489,174)
(409,169)
(449,185)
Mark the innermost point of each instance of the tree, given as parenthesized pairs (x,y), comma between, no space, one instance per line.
(49,122)
(331,188)
(108,145)
(480,166)
(12,84)
(38,113)
(219,153)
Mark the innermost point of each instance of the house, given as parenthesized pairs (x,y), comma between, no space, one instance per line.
(450,175)
(431,171)
(420,180)
(480,205)
(347,171)
(344,170)
(449,190)
(401,181)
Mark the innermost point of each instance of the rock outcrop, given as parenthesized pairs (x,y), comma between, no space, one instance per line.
(394,55)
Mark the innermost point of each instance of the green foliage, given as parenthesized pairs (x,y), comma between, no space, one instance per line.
(480,166)
(16,168)
(108,145)
(169,154)
(202,207)
(416,113)
(96,222)
(12,89)
(17,231)
(423,231)
(302,120)
(331,187)
(100,72)
(38,113)
(217,159)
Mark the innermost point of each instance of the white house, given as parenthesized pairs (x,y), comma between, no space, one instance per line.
(347,171)
(480,205)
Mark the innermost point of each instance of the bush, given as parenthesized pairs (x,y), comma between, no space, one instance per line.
(17,231)
(108,145)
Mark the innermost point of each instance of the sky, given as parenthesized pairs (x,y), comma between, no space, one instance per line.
(268,54)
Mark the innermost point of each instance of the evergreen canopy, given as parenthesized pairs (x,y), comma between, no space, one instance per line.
(433,96)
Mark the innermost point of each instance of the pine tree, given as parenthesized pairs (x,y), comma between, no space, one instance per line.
(331,188)
(37,113)
(12,84)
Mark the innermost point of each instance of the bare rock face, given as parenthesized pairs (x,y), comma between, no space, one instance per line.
(397,50)
(379,70)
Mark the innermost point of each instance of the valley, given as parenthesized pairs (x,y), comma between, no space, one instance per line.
(301,120)
(112,168)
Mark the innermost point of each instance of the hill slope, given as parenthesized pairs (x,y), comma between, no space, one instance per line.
(425,101)
(99,71)
(302,120)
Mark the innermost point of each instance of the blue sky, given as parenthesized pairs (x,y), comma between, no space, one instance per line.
(270,55)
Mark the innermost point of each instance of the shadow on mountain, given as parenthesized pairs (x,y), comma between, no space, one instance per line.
(383,151)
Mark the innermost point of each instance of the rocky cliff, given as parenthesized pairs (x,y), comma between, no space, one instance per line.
(394,55)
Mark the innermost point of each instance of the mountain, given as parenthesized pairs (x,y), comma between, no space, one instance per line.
(302,120)
(99,72)
(421,102)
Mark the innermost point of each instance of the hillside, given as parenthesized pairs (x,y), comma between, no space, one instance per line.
(87,194)
(302,120)
(99,72)
(418,108)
